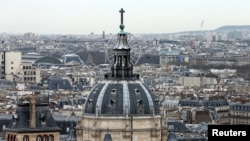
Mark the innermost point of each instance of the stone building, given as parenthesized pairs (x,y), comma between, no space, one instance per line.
(239,114)
(32,121)
(122,103)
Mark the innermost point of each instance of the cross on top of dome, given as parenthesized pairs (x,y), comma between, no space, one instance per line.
(122,25)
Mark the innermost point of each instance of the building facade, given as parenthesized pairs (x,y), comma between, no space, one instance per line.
(32,121)
(10,64)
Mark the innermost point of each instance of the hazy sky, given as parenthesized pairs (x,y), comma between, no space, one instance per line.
(141,16)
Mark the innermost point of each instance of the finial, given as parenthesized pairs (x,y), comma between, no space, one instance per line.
(121,25)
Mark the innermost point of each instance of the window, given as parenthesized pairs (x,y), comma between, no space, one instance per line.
(8,137)
(12,68)
(51,138)
(113,91)
(25,138)
(11,62)
(45,138)
(39,138)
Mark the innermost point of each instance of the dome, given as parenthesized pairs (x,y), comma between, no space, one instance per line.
(122,92)
(120,97)
(121,102)
(48,59)
(69,58)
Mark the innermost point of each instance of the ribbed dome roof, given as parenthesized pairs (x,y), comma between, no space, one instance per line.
(112,97)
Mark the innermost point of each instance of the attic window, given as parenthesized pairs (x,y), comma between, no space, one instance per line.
(139,102)
(112,102)
(113,91)
(42,117)
(15,116)
(137,91)
(90,101)
(157,101)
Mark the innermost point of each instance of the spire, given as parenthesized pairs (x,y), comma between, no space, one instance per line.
(122,67)
(122,25)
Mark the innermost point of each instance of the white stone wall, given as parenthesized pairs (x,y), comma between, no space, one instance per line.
(12,64)
(137,128)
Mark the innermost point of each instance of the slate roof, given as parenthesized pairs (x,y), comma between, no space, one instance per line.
(59,83)
(177,126)
(171,137)
(190,102)
(112,98)
(240,107)
(216,103)
(213,102)
(6,84)
(44,120)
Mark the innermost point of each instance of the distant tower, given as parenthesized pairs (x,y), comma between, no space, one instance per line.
(90,59)
(103,35)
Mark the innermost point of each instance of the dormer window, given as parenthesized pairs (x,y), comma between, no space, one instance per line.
(137,91)
(42,117)
(90,101)
(139,102)
(112,102)
(113,91)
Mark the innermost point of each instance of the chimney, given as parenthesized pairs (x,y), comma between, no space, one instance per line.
(32,111)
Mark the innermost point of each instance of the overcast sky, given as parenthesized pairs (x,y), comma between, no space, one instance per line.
(141,16)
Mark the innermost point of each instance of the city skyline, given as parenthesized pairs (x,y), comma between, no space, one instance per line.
(85,16)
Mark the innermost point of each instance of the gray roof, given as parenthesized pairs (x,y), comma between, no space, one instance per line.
(216,103)
(59,83)
(205,103)
(44,120)
(72,134)
(171,137)
(116,97)
(240,107)
(177,126)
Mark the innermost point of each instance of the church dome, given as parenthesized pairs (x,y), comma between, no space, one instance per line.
(122,92)
(121,97)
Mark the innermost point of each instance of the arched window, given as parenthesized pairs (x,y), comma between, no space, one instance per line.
(45,138)
(8,137)
(51,138)
(25,138)
(14,137)
(39,138)
(11,138)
